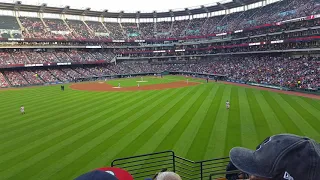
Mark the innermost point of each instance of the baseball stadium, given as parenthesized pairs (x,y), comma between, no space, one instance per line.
(181,94)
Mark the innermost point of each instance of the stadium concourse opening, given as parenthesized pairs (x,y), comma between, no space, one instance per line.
(98,86)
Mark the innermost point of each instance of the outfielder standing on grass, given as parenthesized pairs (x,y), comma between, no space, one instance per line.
(22,109)
(228,105)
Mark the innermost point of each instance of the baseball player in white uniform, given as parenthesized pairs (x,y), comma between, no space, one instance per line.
(22,109)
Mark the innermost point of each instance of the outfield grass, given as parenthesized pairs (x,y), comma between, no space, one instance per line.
(148,81)
(64,134)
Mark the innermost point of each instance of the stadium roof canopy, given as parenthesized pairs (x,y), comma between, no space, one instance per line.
(18,6)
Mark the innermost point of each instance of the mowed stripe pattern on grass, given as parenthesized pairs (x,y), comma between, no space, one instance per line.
(64,134)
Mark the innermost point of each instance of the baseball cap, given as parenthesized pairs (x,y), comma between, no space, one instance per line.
(97,175)
(106,173)
(280,157)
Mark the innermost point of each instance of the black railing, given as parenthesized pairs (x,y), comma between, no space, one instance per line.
(147,165)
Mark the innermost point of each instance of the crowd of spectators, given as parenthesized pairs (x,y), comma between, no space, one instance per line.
(31,77)
(45,75)
(15,78)
(56,28)
(48,28)
(195,27)
(147,30)
(79,29)
(179,28)
(83,72)
(34,57)
(9,27)
(71,73)
(99,56)
(40,57)
(75,56)
(49,57)
(163,29)
(34,27)
(5,58)
(280,71)
(19,57)
(100,70)
(56,25)
(59,74)
(115,30)
(131,30)
(86,56)
(96,26)
(3,82)
(63,57)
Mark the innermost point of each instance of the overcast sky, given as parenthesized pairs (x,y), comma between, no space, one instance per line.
(126,5)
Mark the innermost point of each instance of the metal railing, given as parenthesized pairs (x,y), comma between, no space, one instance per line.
(147,165)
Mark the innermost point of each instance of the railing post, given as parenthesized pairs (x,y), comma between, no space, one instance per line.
(201,171)
(173,162)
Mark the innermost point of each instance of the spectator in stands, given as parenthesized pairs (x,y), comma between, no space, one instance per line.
(280,157)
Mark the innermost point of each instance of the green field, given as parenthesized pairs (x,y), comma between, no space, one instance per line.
(149,81)
(64,134)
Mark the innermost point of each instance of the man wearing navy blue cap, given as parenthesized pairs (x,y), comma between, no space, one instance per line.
(106,173)
(97,175)
(280,157)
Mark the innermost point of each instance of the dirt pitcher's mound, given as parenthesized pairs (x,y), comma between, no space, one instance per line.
(106,87)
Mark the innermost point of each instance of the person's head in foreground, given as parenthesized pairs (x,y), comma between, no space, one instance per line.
(280,157)
(106,173)
(167,176)
(97,175)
